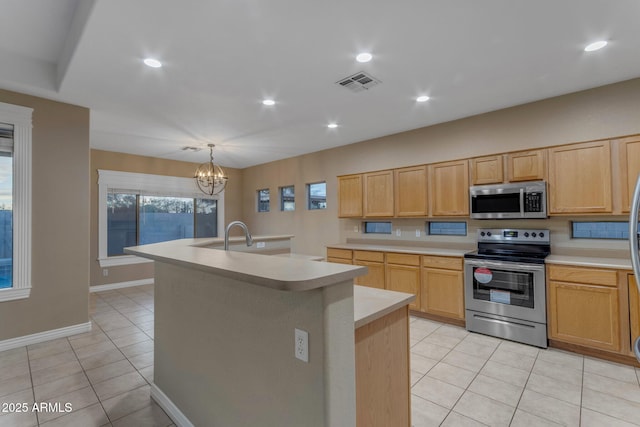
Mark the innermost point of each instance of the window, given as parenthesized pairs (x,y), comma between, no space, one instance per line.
(287,198)
(155,209)
(377,227)
(443,228)
(15,202)
(317,195)
(263,200)
(600,230)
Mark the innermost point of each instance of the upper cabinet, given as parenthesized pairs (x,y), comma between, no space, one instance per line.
(487,170)
(629,160)
(410,191)
(350,196)
(580,178)
(527,165)
(378,194)
(449,188)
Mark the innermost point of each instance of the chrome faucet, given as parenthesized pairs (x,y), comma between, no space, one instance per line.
(246,233)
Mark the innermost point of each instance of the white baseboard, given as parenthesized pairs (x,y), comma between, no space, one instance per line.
(172,410)
(120,285)
(44,336)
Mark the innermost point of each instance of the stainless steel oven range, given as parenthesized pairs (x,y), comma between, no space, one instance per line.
(504,285)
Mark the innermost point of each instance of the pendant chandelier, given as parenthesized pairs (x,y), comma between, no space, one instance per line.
(210,177)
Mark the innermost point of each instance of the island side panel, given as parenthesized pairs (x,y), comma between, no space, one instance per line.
(224,350)
(382,371)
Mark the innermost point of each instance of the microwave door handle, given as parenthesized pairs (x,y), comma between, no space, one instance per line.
(522,202)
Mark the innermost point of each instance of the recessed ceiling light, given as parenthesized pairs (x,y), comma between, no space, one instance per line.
(364,57)
(268,102)
(153,63)
(595,46)
(332,125)
(423,98)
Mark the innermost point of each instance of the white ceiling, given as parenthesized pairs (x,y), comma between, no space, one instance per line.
(222,57)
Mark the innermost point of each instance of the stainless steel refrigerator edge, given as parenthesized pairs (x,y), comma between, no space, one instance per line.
(634,241)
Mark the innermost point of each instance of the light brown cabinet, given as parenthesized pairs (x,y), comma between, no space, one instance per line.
(629,161)
(527,165)
(410,191)
(487,170)
(378,194)
(374,261)
(402,274)
(584,307)
(580,178)
(442,292)
(350,196)
(341,256)
(449,188)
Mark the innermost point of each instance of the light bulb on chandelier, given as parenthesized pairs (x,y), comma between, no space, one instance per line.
(210,178)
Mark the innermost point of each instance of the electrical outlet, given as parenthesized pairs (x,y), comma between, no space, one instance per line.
(398,232)
(301,349)
(105,272)
(418,233)
(355,228)
(260,245)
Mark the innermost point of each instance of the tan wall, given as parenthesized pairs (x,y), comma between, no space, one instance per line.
(60,221)
(597,113)
(108,160)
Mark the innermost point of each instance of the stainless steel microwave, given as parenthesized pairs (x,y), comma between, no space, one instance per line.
(506,201)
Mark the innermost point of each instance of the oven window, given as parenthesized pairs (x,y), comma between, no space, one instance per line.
(503,286)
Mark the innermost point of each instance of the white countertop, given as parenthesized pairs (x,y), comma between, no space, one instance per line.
(281,273)
(370,304)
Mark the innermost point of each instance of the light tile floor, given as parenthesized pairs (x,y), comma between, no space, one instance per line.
(458,378)
(466,379)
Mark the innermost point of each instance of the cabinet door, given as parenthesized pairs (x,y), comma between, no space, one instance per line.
(487,170)
(442,293)
(629,159)
(580,178)
(449,188)
(378,194)
(404,278)
(350,196)
(410,191)
(584,314)
(527,165)
(374,277)
(634,309)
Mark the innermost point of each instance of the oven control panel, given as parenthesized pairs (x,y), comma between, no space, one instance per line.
(513,235)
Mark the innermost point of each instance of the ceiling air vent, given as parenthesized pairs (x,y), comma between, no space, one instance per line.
(358,82)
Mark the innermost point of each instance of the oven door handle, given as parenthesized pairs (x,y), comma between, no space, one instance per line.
(507,266)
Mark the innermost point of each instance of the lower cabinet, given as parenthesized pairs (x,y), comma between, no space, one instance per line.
(374,261)
(442,292)
(402,274)
(584,307)
(341,256)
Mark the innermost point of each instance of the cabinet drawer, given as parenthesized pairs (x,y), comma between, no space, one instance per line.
(339,260)
(593,276)
(368,256)
(403,259)
(447,263)
(339,253)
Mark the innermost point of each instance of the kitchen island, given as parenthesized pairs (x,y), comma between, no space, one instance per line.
(224,337)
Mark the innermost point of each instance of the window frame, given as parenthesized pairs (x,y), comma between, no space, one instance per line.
(258,200)
(21,119)
(309,208)
(145,184)
(280,193)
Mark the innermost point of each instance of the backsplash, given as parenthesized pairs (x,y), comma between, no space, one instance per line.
(412,232)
